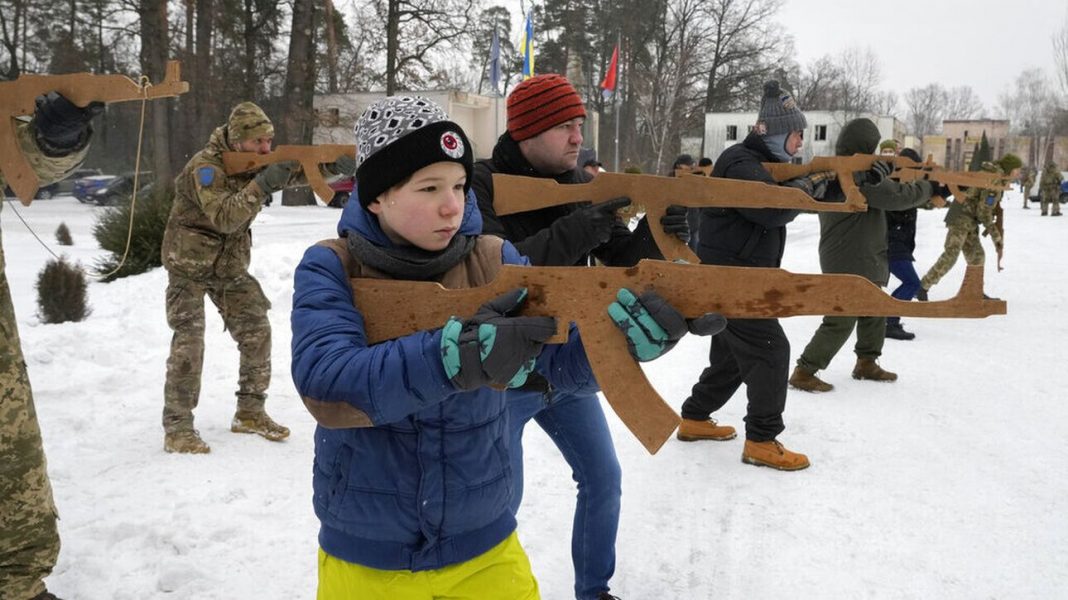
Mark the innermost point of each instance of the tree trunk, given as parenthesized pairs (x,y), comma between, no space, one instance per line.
(154,44)
(250,51)
(392,30)
(296,122)
(331,46)
(204,117)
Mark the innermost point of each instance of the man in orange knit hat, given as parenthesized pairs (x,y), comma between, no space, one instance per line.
(545,118)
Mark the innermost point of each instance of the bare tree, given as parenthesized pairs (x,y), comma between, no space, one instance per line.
(154,50)
(962,103)
(744,44)
(415,30)
(817,85)
(1031,110)
(1060,54)
(926,109)
(858,87)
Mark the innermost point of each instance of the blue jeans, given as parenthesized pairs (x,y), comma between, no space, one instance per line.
(910,283)
(576,424)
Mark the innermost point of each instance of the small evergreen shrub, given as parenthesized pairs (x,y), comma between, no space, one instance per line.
(150,221)
(63,235)
(61,292)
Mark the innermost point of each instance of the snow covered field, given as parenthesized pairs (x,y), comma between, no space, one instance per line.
(949,483)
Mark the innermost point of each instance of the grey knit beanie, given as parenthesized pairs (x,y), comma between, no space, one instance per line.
(779,112)
(399,135)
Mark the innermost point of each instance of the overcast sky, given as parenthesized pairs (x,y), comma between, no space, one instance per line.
(981,43)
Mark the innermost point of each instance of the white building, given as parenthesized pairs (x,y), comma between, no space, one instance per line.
(723,130)
(482,117)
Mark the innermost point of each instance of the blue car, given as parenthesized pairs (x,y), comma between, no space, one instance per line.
(85,186)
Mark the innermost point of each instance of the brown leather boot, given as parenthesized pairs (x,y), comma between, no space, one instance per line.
(773,454)
(808,382)
(867,368)
(185,442)
(692,430)
(260,424)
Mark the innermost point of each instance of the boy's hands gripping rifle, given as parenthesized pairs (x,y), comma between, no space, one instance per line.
(581,295)
(17,99)
(653,195)
(905,170)
(310,157)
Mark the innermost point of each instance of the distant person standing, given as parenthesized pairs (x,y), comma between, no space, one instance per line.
(1050,190)
(1027,179)
(901,243)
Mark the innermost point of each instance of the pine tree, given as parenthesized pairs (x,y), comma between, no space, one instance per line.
(981,154)
(63,235)
(61,292)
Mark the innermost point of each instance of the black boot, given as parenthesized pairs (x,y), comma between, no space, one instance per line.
(895,331)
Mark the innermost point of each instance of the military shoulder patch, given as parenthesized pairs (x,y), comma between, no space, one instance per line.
(207,175)
(990,199)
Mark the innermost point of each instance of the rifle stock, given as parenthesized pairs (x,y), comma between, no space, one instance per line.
(516,194)
(309,157)
(394,308)
(17,99)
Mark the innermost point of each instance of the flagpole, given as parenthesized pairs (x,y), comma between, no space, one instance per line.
(618,102)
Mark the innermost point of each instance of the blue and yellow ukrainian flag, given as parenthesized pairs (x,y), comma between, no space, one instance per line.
(528,47)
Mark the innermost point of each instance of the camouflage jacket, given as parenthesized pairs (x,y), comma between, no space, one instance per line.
(977,208)
(1050,184)
(209,231)
(47,168)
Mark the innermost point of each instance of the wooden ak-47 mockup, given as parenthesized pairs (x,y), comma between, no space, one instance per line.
(309,157)
(394,308)
(906,170)
(652,195)
(17,100)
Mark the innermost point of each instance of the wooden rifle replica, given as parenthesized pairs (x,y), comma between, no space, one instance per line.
(309,157)
(652,195)
(906,170)
(17,100)
(394,308)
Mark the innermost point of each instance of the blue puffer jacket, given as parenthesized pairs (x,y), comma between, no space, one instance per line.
(428,484)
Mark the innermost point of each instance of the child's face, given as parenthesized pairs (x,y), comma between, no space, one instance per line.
(426,210)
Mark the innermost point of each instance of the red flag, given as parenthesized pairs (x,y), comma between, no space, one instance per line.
(609,83)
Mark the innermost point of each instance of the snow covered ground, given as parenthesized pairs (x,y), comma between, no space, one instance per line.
(949,483)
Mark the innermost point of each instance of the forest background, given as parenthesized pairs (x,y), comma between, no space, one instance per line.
(678,60)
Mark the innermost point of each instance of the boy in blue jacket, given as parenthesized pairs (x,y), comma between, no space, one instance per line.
(411,481)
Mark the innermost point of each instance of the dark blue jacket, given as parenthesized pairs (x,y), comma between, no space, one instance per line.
(427,485)
(901,234)
(744,237)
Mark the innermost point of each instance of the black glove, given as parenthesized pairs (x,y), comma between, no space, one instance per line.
(881,169)
(60,124)
(937,189)
(653,326)
(674,222)
(344,165)
(599,219)
(493,347)
(275,176)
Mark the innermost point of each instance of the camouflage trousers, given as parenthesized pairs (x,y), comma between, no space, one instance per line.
(29,540)
(959,238)
(243,308)
(1051,202)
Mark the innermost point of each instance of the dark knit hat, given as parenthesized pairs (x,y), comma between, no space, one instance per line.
(911,154)
(859,136)
(399,135)
(540,103)
(248,122)
(683,160)
(779,113)
(1009,162)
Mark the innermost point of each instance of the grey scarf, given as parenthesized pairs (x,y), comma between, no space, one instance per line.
(409,262)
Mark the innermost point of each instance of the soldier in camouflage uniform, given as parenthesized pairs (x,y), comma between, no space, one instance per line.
(963,220)
(54,142)
(1049,190)
(206,251)
(1027,179)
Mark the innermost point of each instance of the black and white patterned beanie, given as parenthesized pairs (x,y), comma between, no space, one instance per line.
(399,135)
